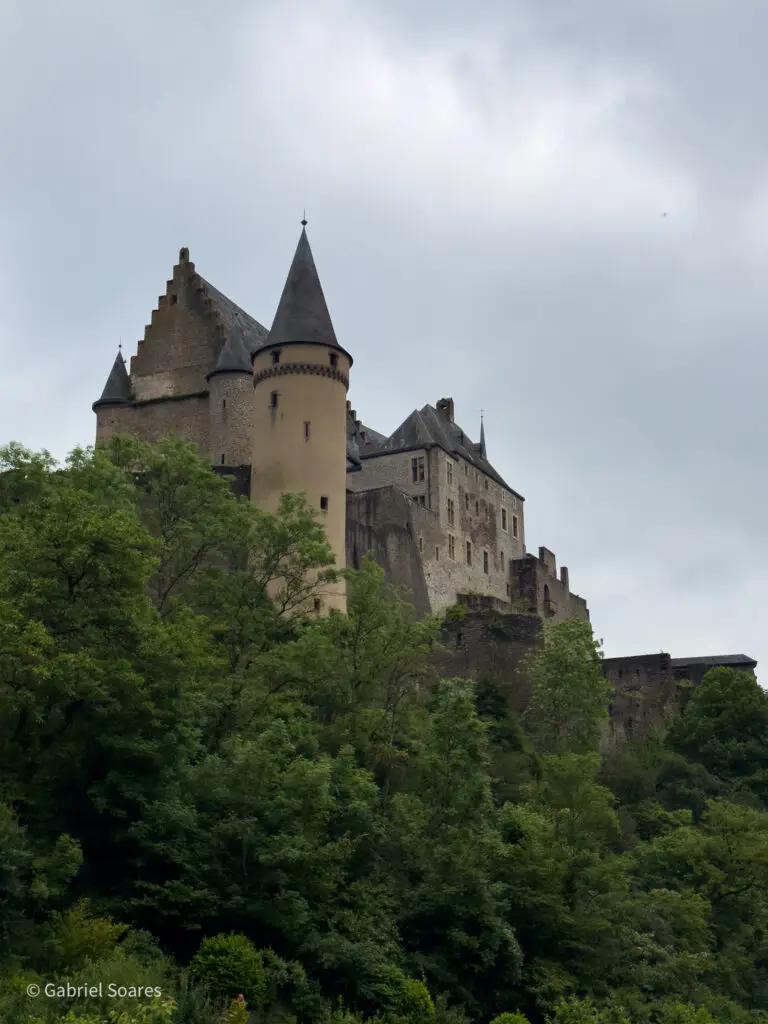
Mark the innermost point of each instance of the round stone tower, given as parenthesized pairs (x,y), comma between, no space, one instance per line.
(300,381)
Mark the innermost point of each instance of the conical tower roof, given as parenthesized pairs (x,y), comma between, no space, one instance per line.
(117,390)
(302,313)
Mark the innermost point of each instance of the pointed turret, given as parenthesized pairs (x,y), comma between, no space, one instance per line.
(482,437)
(117,390)
(300,427)
(302,315)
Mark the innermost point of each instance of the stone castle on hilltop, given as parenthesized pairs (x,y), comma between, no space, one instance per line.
(270,408)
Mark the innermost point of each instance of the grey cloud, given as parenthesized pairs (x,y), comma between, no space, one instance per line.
(620,356)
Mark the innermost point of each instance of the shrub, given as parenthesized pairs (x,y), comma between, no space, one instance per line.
(230,964)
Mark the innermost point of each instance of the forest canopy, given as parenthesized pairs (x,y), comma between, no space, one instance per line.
(220,805)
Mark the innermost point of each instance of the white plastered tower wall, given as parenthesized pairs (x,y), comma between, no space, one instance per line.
(300,381)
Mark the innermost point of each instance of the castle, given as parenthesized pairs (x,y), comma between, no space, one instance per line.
(270,409)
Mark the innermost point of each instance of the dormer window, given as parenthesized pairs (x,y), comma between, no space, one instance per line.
(276,356)
(334,359)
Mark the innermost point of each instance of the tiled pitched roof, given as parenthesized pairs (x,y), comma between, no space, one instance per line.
(427,427)
(243,334)
(715,659)
(118,386)
(302,313)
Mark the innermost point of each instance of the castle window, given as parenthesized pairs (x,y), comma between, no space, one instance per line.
(223,403)
(421,499)
(485,562)
(306,430)
(486,485)
(451,513)
(174,299)
(276,356)
(273,400)
(324,503)
(508,590)
(451,546)
(514,526)
(449,471)
(504,520)
(222,460)
(437,553)
(546,592)
(466,502)
(334,359)
(417,469)
(477,508)
(487,513)
(317,604)
(421,545)
(469,552)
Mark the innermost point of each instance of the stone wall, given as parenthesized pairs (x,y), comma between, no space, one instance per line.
(181,341)
(466,507)
(231,409)
(535,582)
(383,522)
(186,417)
(486,644)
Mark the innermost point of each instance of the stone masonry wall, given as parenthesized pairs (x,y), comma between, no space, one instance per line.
(486,644)
(181,341)
(186,418)
(473,515)
(535,582)
(386,524)
(232,429)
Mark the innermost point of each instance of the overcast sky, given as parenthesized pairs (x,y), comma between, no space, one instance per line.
(556,212)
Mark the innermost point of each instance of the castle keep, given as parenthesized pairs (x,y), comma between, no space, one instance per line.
(270,408)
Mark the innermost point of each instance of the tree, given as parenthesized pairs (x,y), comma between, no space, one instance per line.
(724,728)
(569,701)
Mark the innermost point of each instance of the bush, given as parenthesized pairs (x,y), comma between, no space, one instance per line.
(228,965)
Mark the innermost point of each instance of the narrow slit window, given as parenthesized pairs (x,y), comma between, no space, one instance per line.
(276,356)
(324,503)
(273,400)
(222,459)
(317,604)
(306,430)
(334,359)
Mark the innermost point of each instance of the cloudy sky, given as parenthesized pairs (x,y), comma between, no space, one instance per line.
(554,212)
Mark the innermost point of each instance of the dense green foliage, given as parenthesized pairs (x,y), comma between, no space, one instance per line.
(222,806)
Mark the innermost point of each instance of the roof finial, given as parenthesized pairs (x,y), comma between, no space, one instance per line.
(304,219)
(120,345)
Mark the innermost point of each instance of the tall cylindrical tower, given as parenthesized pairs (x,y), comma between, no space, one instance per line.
(300,380)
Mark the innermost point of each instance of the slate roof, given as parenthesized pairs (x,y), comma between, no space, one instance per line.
(302,313)
(426,428)
(244,335)
(715,659)
(118,387)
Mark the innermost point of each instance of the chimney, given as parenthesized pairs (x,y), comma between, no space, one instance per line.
(445,406)
(564,578)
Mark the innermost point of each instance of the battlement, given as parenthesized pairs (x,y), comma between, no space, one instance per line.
(535,581)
